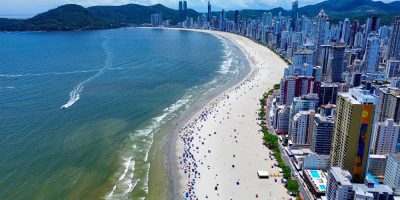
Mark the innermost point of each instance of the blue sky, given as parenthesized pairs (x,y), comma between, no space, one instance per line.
(32,7)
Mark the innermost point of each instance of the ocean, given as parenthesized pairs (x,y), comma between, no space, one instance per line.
(82,112)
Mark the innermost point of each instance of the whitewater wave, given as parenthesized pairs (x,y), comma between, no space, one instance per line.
(228,58)
(74,95)
(126,181)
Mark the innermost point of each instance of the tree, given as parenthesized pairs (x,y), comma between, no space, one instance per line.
(292,186)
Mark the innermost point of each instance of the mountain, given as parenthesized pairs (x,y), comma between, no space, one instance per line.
(74,17)
(354,9)
(68,17)
(135,14)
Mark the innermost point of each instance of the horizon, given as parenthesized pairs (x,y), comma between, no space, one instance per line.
(20,9)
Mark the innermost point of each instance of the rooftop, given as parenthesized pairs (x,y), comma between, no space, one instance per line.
(359,96)
(341,176)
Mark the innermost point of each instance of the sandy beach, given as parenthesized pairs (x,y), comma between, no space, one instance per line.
(219,150)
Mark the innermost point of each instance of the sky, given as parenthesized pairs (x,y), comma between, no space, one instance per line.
(28,8)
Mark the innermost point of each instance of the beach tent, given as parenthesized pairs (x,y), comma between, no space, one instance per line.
(263,174)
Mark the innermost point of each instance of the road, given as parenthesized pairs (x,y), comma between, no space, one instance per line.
(303,188)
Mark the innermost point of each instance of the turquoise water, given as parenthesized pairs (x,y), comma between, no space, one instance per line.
(116,88)
(315,174)
(322,187)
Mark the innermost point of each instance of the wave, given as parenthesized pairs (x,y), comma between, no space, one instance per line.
(126,181)
(74,95)
(228,58)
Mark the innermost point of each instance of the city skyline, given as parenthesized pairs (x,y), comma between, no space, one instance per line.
(23,9)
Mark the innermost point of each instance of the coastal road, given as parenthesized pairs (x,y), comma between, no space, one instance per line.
(303,190)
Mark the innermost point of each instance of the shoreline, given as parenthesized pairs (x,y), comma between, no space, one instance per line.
(176,146)
(164,153)
(172,140)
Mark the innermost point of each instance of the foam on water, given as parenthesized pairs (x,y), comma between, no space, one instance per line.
(127,181)
(74,95)
(227,63)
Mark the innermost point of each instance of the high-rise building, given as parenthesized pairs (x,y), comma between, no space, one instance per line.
(302,127)
(385,137)
(392,68)
(209,12)
(388,106)
(185,10)
(352,133)
(373,24)
(339,186)
(181,18)
(322,19)
(292,87)
(394,47)
(323,58)
(355,25)
(264,19)
(237,17)
(269,19)
(346,29)
(371,57)
(156,20)
(392,173)
(322,134)
(327,93)
(376,166)
(296,123)
(336,63)
(295,15)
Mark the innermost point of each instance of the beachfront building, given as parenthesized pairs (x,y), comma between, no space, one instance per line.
(316,181)
(316,161)
(352,132)
(292,87)
(301,123)
(322,134)
(156,20)
(282,126)
(302,127)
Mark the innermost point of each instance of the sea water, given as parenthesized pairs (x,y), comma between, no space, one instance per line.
(79,111)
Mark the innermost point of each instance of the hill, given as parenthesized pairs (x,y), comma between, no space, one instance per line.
(354,9)
(135,14)
(72,17)
(69,17)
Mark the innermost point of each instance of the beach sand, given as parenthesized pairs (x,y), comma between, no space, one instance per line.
(219,150)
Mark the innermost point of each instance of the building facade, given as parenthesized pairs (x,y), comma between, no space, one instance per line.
(352,132)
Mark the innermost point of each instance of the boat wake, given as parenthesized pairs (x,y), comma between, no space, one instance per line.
(74,95)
